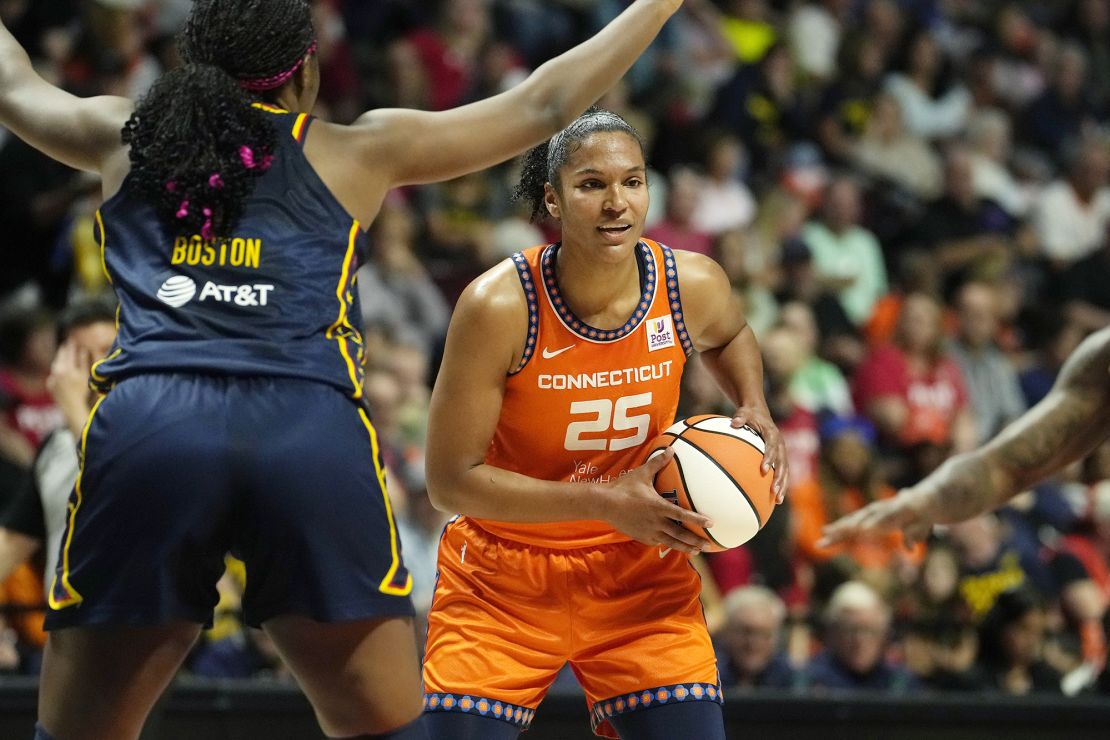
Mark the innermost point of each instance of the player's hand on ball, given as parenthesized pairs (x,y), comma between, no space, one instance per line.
(774,455)
(639,512)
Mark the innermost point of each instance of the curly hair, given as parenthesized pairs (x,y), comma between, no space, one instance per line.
(542,164)
(197,142)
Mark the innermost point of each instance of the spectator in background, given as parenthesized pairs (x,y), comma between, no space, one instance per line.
(761,104)
(784,353)
(857,630)
(818,385)
(1012,645)
(395,291)
(27,411)
(1064,113)
(890,153)
(914,392)
(677,229)
(34,518)
(725,203)
(962,233)
(988,136)
(1072,214)
(750,645)
(1084,289)
(437,67)
(1052,338)
(846,102)
(815,29)
(992,382)
(846,256)
(848,478)
(934,105)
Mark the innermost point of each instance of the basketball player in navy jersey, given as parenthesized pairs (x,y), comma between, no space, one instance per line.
(232,230)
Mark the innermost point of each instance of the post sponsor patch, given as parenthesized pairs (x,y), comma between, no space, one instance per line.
(660,333)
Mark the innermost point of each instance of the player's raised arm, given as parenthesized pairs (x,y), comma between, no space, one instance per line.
(409,147)
(80,132)
(1066,425)
(730,352)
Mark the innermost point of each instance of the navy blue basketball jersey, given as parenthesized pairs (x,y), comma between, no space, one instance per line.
(274,298)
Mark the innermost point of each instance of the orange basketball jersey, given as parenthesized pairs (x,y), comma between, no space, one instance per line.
(584,402)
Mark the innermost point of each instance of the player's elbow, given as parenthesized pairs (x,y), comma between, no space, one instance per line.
(444,491)
(547,100)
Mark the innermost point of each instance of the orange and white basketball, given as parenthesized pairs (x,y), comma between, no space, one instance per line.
(716,472)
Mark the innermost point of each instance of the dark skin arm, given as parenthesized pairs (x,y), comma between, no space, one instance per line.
(384,148)
(1071,421)
(388,148)
(731,354)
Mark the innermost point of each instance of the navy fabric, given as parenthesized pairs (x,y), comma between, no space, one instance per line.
(180,469)
(274,298)
(41,734)
(415,730)
(701,719)
(462,726)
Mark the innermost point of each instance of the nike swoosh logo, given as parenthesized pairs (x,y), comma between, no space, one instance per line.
(664,552)
(548,354)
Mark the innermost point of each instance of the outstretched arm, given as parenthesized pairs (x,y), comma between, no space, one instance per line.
(412,147)
(1071,421)
(484,342)
(80,132)
(728,347)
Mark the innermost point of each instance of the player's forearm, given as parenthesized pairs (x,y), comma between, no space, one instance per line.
(568,84)
(489,492)
(738,369)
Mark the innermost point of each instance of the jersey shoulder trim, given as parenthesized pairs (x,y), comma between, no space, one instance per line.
(524,273)
(674,299)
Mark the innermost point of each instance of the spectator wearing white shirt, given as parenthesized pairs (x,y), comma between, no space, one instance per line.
(1071,215)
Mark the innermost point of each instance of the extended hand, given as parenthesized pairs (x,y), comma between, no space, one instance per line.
(912,511)
(637,510)
(774,455)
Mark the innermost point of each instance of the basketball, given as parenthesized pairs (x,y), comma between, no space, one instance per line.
(716,472)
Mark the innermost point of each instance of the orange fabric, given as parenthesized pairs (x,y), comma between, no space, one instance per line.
(507,616)
(24,588)
(807,501)
(587,403)
(879,329)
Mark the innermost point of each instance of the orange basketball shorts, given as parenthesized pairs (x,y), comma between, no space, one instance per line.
(507,616)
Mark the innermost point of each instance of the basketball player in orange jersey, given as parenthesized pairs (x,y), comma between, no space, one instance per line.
(562,365)
(231,414)
(1068,424)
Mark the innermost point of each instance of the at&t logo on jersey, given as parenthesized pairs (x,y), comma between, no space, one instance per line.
(180,289)
(660,333)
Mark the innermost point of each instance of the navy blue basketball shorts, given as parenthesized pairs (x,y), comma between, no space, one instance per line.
(178,470)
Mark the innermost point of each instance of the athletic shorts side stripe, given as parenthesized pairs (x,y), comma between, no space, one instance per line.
(387,586)
(70,596)
(343,295)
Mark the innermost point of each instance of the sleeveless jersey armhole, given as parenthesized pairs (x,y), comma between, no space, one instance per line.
(301,125)
(528,284)
(674,300)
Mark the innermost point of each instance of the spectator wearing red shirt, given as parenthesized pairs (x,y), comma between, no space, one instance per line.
(27,411)
(915,393)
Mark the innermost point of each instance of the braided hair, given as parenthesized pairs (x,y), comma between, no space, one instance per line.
(542,164)
(197,143)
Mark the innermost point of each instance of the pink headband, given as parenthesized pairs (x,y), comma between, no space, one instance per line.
(270,83)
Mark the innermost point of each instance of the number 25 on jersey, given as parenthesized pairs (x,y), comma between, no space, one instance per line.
(609,417)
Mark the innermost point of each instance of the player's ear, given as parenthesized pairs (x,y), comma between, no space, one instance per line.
(551,200)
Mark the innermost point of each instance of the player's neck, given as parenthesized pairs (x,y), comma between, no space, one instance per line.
(601,294)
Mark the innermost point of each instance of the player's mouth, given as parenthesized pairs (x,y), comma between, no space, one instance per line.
(615,233)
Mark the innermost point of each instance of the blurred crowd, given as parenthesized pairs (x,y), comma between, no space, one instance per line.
(911,196)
